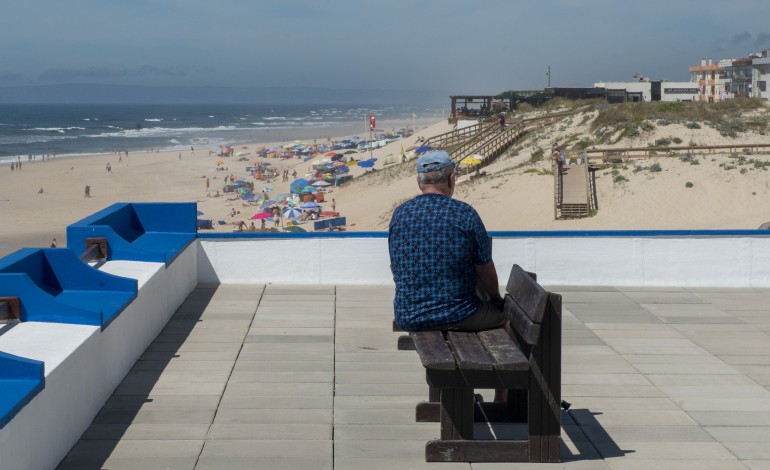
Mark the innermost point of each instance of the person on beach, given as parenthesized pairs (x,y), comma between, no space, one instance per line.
(40,191)
(87,191)
(53,243)
(334,205)
(439,251)
(208,183)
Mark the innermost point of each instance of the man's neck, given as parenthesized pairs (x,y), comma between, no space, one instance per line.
(432,189)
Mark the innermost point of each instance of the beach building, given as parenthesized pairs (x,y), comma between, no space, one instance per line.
(648,90)
(257,350)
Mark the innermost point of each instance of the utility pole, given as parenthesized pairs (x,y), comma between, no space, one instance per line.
(548,74)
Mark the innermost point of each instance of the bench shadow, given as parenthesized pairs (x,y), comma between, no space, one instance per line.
(589,439)
(583,438)
(110,425)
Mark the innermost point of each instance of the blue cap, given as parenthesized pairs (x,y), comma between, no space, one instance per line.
(433,161)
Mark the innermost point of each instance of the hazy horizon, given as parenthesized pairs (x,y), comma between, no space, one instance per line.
(451,45)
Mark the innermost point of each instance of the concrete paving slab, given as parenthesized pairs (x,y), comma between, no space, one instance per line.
(646,433)
(276,402)
(274,416)
(154,431)
(248,376)
(246,463)
(653,380)
(283,431)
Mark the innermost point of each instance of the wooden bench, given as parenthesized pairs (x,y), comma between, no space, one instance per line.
(527,363)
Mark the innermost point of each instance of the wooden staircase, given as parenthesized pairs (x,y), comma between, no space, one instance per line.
(574,192)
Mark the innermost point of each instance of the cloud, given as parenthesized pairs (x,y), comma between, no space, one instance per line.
(762,40)
(741,38)
(102,73)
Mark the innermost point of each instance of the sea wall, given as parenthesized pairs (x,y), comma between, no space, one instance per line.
(729,258)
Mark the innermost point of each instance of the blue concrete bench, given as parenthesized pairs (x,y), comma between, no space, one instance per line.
(20,380)
(154,232)
(54,285)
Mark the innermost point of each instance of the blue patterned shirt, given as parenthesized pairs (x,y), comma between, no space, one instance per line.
(435,243)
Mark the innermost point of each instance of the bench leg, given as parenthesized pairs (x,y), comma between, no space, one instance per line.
(457,443)
(429,411)
(457,413)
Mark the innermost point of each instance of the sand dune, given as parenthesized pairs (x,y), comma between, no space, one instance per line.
(726,192)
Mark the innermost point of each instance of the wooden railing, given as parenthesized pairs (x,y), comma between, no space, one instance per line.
(451,138)
(644,152)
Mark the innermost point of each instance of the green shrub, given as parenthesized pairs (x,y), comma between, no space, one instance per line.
(693,125)
(688,185)
(619,179)
(537,156)
(676,140)
(663,142)
(655,168)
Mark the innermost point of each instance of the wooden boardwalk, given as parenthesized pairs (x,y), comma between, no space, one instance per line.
(573,200)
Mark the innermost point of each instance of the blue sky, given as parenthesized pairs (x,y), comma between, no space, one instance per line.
(472,46)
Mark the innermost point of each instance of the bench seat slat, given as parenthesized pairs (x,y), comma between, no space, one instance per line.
(434,352)
(469,351)
(505,354)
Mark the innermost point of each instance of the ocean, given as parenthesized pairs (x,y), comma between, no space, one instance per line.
(98,129)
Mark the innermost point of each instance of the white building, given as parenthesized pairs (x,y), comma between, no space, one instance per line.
(654,90)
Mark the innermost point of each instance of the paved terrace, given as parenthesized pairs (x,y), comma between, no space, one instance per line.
(308,377)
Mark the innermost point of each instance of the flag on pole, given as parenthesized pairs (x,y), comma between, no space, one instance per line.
(402,150)
(371,120)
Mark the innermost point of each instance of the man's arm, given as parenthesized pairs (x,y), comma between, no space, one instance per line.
(488,279)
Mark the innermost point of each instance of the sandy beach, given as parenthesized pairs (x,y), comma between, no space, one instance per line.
(508,197)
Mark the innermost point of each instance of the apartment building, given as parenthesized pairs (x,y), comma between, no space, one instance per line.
(760,75)
(709,79)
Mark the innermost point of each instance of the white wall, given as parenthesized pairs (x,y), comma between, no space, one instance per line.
(84,364)
(675,89)
(663,260)
(632,87)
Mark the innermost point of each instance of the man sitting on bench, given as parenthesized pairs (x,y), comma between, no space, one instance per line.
(439,251)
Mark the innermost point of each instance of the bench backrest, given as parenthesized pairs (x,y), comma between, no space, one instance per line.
(525,305)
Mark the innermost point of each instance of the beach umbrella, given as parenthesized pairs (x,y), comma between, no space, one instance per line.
(249,197)
(292,213)
(366,163)
(261,215)
(310,205)
(266,204)
(423,149)
(352,162)
(309,189)
(330,154)
(329,214)
(321,184)
(294,228)
(472,160)
(266,189)
(349,152)
(239,180)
